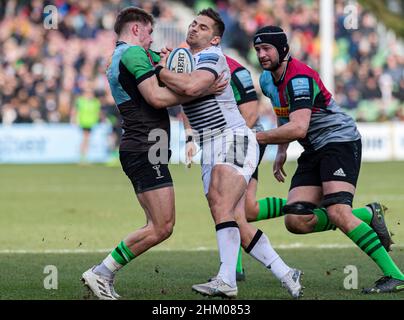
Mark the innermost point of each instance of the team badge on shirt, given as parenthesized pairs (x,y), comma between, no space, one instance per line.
(301,87)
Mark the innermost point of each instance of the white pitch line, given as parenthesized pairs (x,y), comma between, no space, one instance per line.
(296,245)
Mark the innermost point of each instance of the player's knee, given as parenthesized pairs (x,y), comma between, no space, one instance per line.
(251,209)
(239,216)
(339,215)
(338,206)
(216,205)
(295,224)
(299,208)
(167,230)
(164,231)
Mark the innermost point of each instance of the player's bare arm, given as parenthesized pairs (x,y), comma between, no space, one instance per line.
(280,159)
(190,146)
(160,97)
(295,129)
(249,111)
(191,84)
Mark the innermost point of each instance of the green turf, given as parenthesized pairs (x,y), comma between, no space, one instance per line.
(52,207)
(170,275)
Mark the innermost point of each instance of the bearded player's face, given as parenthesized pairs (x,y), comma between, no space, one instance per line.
(267,56)
(201,33)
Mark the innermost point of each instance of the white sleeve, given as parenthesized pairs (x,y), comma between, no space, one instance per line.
(211,61)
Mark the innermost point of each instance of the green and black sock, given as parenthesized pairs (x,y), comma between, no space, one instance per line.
(122,254)
(324,224)
(239,268)
(118,258)
(270,207)
(366,239)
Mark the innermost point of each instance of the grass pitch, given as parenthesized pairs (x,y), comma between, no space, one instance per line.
(62,215)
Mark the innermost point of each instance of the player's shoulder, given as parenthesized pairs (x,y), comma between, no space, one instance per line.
(266,83)
(266,78)
(213,49)
(297,68)
(232,61)
(211,54)
(133,52)
(233,64)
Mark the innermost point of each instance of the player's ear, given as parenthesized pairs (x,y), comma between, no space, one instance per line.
(215,41)
(135,29)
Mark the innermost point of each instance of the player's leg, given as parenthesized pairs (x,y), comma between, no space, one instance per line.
(159,209)
(257,244)
(156,196)
(225,182)
(304,195)
(160,214)
(338,190)
(226,187)
(372,214)
(338,199)
(251,208)
(252,211)
(85,142)
(272,207)
(301,201)
(309,217)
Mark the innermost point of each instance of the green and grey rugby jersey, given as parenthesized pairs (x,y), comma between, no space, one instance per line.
(130,65)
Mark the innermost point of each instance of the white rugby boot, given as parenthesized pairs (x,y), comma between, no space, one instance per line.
(100,286)
(291,281)
(216,288)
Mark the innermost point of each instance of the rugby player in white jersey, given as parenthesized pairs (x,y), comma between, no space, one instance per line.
(230,155)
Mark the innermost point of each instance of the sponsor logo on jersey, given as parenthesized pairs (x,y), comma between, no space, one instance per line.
(209,57)
(281,111)
(301,87)
(245,78)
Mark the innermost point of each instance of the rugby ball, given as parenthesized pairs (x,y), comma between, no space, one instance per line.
(181,60)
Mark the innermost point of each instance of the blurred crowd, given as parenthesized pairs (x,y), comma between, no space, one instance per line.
(44,71)
(369,66)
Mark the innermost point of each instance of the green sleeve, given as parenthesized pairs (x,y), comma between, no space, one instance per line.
(155,56)
(236,93)
(137,62)
(242,85)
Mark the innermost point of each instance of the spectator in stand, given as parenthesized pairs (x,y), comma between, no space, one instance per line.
(35,59)
(86,115)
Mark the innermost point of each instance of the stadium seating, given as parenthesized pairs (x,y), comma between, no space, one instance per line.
(42,72)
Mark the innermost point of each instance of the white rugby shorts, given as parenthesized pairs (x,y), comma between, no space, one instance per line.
(237,148)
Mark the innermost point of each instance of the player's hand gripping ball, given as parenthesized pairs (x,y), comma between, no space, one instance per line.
(181,60)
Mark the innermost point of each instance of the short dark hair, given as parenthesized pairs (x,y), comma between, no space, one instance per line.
(215,16)
(131,14)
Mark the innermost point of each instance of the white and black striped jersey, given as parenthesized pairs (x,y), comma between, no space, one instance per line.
(211,115)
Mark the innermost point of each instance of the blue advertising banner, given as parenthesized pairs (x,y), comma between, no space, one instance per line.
(51,143)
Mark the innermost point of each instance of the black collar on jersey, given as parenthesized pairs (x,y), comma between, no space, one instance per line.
(277,83)
(118,43)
